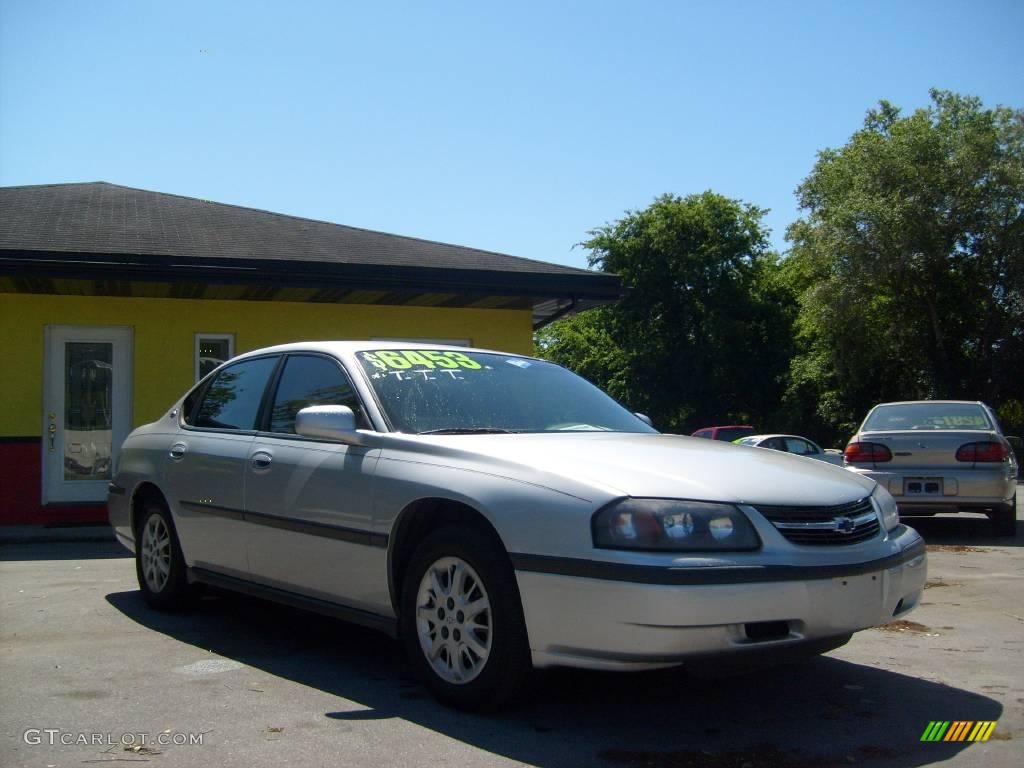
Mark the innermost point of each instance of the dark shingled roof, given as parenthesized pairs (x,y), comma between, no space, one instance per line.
(104,231)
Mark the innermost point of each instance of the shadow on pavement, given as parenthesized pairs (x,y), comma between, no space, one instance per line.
(62,550)
(963,529)
(826,712)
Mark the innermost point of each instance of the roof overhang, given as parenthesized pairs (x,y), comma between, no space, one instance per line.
(550,296)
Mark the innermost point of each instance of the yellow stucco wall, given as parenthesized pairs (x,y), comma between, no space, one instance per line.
(164,338)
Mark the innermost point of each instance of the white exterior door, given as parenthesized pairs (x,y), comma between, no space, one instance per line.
(87,409)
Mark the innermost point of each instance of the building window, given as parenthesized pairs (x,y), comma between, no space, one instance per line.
(212,349)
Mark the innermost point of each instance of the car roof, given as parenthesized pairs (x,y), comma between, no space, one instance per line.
(350,347)
(765,437)
(920,402)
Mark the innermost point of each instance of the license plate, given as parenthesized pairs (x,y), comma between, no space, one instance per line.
(856,600)
(922,486)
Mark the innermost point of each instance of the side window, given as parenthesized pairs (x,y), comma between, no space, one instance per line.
(232,401)
(702,433)
(308,380)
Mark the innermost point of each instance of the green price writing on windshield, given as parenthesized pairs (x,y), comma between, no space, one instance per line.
(407,358)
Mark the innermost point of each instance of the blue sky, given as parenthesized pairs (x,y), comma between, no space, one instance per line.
(515,127)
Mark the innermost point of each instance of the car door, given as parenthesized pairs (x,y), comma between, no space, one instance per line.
(309,501)
(205,470)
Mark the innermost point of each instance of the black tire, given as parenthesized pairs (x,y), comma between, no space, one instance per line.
(158,552)
(1004,518)
(491,681)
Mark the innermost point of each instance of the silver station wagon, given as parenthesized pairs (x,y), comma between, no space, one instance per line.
(498,513)
(939,456)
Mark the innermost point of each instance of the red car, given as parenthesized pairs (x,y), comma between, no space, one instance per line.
(728,434)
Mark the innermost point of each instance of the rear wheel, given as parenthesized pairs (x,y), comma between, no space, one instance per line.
(462,621)
(1004,518)
(159,564)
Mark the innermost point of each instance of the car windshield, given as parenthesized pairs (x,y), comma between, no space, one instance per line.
(466,392)
(969,416)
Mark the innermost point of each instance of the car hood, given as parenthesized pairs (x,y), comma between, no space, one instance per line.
(666,466)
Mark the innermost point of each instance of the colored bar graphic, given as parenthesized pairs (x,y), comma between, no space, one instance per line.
(935,731)
(958,730)
(982,730)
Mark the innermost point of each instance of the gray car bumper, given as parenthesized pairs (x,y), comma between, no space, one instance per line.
(621,620)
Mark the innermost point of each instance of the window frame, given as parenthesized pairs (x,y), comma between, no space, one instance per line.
(199,336)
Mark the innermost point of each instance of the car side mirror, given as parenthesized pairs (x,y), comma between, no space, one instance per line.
(328,422)
(645,419)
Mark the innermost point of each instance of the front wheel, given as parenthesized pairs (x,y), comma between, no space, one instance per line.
(159,564)
(462,621)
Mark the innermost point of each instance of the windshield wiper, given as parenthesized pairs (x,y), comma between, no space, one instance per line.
(468,431)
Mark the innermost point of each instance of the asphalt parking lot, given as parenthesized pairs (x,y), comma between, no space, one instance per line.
(82,657)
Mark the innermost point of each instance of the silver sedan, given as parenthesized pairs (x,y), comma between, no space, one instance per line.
(939,456)
(498,513)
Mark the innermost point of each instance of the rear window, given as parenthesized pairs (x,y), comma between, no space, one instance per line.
(969,416)
(232,401)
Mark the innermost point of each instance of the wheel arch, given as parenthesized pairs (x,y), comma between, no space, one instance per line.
(145,491)
(416,521)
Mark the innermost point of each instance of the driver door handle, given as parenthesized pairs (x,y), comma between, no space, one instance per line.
(261,460)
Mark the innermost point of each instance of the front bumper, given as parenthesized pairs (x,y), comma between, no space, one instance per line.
(614,623)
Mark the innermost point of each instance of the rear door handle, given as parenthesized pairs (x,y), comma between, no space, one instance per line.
(178,451)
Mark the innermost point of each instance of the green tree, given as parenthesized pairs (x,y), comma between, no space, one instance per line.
(702,334)
(909,262)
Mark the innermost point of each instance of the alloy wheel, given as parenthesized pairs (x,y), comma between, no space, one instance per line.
(453,620)
(156,553)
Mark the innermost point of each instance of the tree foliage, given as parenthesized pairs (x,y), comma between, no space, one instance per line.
(909,263)
(701,335)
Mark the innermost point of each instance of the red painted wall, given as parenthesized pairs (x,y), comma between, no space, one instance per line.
(21,483)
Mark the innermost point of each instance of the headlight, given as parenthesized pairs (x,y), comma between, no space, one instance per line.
(672,525)
(887,506)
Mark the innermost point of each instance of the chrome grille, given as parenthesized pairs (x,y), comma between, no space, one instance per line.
(824,526)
